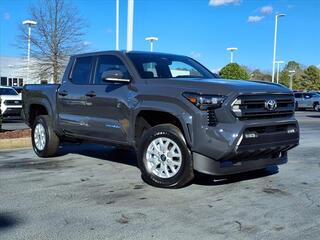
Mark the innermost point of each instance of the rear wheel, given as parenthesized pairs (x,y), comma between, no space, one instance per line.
(44,140)
(164,158)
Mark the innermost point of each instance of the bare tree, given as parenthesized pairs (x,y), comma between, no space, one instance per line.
(58,34)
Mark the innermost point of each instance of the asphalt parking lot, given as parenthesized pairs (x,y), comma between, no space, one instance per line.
(96,192)
(13,124)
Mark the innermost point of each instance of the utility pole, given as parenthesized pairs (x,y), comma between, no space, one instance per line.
(130,25)
(275,43)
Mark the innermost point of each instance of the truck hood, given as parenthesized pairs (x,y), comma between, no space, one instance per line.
(222,86)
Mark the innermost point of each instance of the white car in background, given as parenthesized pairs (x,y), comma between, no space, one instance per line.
(11,102)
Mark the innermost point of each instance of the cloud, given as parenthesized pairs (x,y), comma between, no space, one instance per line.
(195,54)
(86,43)
(266,9)
(216,3)
(254,19)
(6,16)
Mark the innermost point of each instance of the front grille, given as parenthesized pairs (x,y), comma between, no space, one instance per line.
(212,119)
(247,107)
(12,102)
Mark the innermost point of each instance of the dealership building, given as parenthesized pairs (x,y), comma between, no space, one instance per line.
(13,71)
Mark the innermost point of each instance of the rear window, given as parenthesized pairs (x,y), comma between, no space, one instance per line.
(82,71)
(8,91)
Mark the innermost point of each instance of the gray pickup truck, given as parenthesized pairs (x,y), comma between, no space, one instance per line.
(174,112)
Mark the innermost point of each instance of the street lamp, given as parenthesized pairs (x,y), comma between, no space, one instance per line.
(275,42)
(130,25)
(292,72)
(278,69)
(231,50)
(117,25)
(151,40)
(29,23)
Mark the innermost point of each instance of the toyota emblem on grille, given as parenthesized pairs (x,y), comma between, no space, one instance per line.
(271,104)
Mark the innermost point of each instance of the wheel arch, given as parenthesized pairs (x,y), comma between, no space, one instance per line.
(37,108)
(149,117)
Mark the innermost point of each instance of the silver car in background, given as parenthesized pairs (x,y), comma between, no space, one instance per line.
(307,100)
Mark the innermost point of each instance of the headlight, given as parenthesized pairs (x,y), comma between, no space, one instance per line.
(204,102)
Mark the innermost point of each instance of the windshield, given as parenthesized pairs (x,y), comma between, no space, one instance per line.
(8,91)
(168,66)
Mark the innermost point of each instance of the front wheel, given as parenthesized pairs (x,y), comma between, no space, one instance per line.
(316,107)
(164,158)
(45,142)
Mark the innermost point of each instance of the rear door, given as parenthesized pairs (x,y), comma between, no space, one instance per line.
(71,100)
(108,106)
(308,101)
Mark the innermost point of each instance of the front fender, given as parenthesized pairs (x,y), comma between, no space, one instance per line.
(184,117)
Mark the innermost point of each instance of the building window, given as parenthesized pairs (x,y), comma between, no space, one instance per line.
(3,81)
(10,82)
(20,81)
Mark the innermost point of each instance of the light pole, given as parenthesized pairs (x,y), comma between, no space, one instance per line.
(231,50)
(292,72)
(130,25)
(117,25)
(275,42)
(29,23)
(151,40)
(278,69)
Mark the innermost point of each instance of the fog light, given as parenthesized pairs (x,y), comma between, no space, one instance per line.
(291,130)
(250,135)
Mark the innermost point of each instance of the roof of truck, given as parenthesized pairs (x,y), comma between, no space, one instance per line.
(121,52)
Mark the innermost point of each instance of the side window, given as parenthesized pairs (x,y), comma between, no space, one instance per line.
(109,62)
(82,71)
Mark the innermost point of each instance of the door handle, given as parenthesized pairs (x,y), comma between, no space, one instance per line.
(91,94)
(63,93)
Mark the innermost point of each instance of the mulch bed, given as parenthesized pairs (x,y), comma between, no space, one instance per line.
(7,134)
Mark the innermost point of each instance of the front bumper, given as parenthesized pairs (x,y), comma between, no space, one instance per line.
(210,166)
(12,112)
(227,149)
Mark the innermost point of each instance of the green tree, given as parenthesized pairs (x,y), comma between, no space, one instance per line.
(311,78)
(234,71)
(284,78)
(293,65)
(258,75)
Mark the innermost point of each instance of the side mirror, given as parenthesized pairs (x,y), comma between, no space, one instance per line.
(114,76)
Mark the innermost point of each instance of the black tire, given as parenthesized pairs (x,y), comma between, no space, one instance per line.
(184,175)
(52,142)
(316,107)
(296,107)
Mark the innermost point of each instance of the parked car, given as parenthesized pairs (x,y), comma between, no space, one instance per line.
(18,89)
(177,120)
(11,102)
(307,100)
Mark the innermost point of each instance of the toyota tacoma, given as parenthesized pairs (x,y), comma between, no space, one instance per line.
(177,115)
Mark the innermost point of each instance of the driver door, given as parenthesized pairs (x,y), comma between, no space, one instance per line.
(108,106)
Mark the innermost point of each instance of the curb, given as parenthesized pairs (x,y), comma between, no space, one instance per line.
(14,143)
